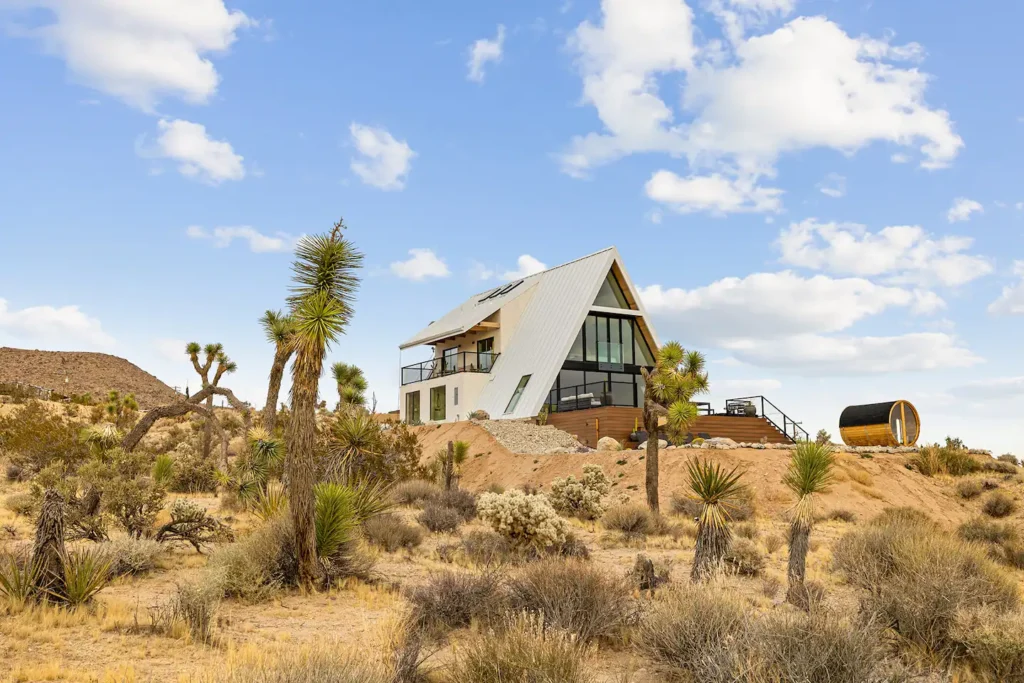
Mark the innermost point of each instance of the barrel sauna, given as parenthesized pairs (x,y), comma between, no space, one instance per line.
(892,423)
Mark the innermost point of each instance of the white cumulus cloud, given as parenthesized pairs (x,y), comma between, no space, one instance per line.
(834,185)
(805,85)
(525,265)
(66,327)
(1011,300)
(141,51)
(421,264)
(902,253)
(483,51)
(384,162)
(196,153)
(259,243)
(714,193)
(962,209)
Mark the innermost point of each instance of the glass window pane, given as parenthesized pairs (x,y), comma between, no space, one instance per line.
(610,295)
(640,390)
(437,403)
(602,340)
(517,394)
(643,353)
(615,340)
(627,341)
(590,336)
(622,392)
(576,351)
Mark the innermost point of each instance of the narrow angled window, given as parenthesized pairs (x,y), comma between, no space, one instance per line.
(517,394)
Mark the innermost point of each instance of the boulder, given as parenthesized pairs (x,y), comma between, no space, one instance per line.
(607,443)
(719,441)
(661,444)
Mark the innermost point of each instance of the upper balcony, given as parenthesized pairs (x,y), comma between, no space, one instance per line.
(449,364)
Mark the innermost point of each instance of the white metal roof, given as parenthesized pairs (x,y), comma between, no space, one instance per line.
(562,297)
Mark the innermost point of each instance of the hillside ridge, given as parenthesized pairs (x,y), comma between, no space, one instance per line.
(87,372)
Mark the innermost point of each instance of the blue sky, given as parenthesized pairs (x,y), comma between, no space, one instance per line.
(823,196)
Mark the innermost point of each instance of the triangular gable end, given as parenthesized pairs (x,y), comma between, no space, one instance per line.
(548,328)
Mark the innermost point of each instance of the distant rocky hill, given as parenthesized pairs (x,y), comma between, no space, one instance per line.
(93,373)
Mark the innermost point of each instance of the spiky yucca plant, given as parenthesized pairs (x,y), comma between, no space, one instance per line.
(325,280)
(341,508)
(717,491)
(163,469)
(677,376)
(280,331)
(86,572)
(18,581)
(268,502)
(809,473)
(351,385)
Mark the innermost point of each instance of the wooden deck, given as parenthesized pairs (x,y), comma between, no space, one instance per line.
(590,425)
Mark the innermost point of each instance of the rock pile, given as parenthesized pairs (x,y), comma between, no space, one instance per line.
(528,437)
(728,445)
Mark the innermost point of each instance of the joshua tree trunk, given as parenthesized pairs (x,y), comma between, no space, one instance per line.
(274,389)
(301,476)
(208,430)
(48,549)
(712,544)
(651,479)
(448,470)
(799,540)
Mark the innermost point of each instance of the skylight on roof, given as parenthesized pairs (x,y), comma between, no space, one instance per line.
(500,291)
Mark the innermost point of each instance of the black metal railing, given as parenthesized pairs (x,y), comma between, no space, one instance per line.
(750,405)
(449,364)
(592,395)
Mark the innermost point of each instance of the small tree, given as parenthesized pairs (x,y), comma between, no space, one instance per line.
(717,491)
(810,473)
(214,353)
(351,385)
(823,438)
(280,331)
(121,411)
(677,377)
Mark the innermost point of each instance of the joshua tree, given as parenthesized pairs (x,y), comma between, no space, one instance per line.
(213,353)
(351,385)
(810,472)
(279,329)
(121,410)
(677,376)
(324,285)
(717,491)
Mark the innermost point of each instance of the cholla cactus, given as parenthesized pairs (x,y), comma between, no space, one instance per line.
(581,498)
(525,519)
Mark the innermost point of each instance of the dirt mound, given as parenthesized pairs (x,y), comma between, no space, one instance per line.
(92,373)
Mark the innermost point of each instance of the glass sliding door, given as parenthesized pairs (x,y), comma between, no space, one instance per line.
(485,353)
(412,407)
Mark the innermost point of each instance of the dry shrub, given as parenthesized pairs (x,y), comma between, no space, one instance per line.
(933,460)
(702,633)
(744,507)
(770,585)
(389,532)
(969,488)
(582,498)
(194,605)
(1013,555)
(1010,458)
(682,504)
(130,556)
(839,515)
(259,565)
(414,492)
(440,518)
(746,530)
(815,647)
(526,519)
(744,557)
(918,577)
(21,504)
(992,642)
(315,663)
(459,500)
(632,519)
(32,438)
(487,548)
(998,505)
(773,543)
(987,531)
(451,600)
(574,597)
(523,651)
(691,629)
(1000,466)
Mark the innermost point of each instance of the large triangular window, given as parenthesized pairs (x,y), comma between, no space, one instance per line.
(611,295)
